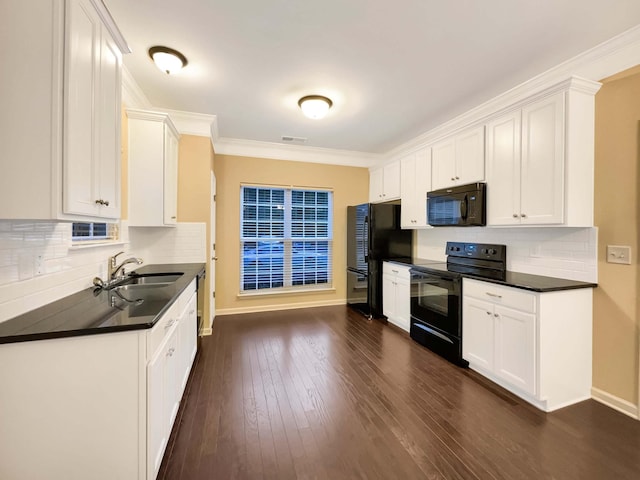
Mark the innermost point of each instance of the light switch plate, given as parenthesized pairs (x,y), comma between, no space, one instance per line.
(619,254)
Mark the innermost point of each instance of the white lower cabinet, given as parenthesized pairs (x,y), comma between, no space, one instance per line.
(537,345)
(167,374)
(96,406)
(396,294)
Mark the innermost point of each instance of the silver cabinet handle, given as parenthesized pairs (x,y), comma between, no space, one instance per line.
(192,312)
(170,352)
(488,313)
(452,179)
(523,215)
(169,323)
(106,203)
(496,315)
(515,215)
(457,178)
(493,295)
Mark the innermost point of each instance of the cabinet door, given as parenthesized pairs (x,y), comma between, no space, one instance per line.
(171,381)
(542,194)
(478,333)
(503,170)
(170,178)
(515,359)
(443,167)
(469,148)
(376,185)
(80,190)
(403,303)
(391,181)
(408,212)
(108,127)
(389,296)
(422,186)
(157,434)
(188,341)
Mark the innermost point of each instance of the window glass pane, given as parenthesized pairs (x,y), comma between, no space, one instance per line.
(279,229)
(93,231)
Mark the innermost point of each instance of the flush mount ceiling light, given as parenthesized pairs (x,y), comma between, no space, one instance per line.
(167,59)
(315,106)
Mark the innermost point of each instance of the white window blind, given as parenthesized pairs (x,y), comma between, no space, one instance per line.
(286,238)
(94,232)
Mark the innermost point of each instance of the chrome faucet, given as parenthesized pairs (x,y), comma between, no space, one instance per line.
(114,268)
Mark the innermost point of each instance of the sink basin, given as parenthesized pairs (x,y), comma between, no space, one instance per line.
(149,280)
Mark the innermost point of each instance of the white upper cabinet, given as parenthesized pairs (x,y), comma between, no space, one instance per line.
(540,160)
(66,157)
(459,159)
(525,165)
(384,183)
(153,169)
(542,188)
(415,179)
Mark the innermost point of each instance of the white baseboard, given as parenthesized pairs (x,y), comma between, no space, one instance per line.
(284,306)
(623,406)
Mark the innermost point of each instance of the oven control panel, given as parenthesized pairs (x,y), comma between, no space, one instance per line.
(486,251)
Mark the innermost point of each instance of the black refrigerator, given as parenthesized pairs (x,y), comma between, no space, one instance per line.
(373,235)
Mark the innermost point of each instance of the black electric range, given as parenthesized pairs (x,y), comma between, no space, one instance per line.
(436,294)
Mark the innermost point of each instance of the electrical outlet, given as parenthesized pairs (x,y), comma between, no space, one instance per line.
(39,265)
(619,254)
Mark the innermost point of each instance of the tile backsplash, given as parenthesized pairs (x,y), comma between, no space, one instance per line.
(552,251)
(39,265)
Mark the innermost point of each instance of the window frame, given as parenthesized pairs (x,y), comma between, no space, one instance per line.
(112,234)
(292,272)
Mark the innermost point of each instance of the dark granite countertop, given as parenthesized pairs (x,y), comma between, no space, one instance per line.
(93,311)
(525,281)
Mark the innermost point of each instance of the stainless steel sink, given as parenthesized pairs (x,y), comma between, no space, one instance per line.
(148,280)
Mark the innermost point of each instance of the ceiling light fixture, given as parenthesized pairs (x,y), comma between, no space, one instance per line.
(167,59)
(315,106)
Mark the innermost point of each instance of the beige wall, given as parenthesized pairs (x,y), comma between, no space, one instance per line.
(615,334)
(350,186)
(194,189)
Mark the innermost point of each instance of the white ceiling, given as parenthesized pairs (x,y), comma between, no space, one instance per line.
(393,69)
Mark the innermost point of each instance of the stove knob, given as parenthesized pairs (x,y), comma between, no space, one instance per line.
(492,251)
(484,250)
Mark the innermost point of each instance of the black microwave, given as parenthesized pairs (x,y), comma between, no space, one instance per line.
(464,205)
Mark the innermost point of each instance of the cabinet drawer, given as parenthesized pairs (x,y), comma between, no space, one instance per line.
(161,329)
(395,269)
(185,296)
(500,295)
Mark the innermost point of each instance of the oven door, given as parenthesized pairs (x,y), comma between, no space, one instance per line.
(435,300)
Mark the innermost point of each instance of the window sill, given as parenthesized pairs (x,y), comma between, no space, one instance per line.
(303,291)
(89,244)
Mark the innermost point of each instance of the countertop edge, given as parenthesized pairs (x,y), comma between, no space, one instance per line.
(574,285)
(89,331)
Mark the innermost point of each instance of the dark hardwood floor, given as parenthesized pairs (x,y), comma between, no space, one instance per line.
(323,393)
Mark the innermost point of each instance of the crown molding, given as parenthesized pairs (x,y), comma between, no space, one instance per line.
(107,19)
(155,116)
(132,94)
(188,123)
(584,72)
(277,151)
(580,73)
